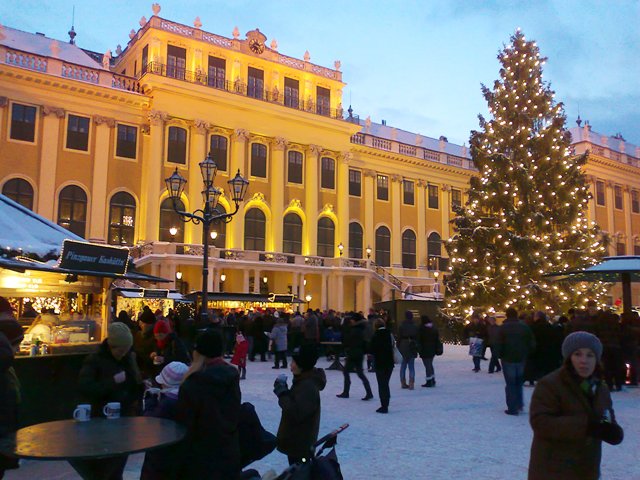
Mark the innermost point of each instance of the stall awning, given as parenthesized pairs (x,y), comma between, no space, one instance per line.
(149,293)
(20,264)
(248,297)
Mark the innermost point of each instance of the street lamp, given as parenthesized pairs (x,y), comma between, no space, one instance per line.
(308,298)
(223,277)
(368,251)
(173,231)
(209,213)
(436,287)
(214,234)
(340,248)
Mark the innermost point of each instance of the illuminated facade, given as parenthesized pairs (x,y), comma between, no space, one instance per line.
(347,211)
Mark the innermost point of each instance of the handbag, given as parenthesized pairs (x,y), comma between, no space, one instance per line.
(475,346)
(439,348)
(397,357)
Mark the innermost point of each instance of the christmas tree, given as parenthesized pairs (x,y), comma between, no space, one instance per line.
(526,212)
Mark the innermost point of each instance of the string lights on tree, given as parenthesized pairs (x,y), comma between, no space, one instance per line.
(526,211)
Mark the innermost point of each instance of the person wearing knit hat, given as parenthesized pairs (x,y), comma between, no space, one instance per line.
(168,347)
(209,405)
(571,414)
(164,462)
(110,375)
(300,404)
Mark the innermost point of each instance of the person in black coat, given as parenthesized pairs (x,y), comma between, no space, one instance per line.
(429,346)
(354,347)
(300,404)
(209,406)
(110,375)
(381,348)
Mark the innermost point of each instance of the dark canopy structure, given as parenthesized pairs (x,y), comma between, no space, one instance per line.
(624,269)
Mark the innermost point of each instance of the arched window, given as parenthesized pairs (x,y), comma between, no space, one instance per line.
(72,209)
(355,240)
(19,191)
(326,237)
(383,247)
(408,249)
(218,150)
(170,219)
(122,217)
(434,251)
(292,234)
(221,230)
(254,230)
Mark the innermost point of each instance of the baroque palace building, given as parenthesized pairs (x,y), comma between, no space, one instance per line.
(345,210)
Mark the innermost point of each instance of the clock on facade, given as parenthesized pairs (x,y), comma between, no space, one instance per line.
(256,46)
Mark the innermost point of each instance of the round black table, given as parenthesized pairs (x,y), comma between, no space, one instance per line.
(97,438)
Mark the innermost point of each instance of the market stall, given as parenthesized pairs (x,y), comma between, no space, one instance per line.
(132,300)
(247,301)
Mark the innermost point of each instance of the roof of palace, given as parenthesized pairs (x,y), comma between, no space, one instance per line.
(586,134)
(39,44)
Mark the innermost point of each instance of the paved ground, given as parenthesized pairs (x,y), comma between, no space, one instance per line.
(457,430)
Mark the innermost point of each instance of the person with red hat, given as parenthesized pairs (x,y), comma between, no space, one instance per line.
(169,348)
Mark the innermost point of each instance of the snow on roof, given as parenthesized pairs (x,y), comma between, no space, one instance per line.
(585,134)
(408,138)
(46,47)
(22,229)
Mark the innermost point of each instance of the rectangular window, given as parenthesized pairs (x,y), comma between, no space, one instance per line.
(355,183)
(127,141)
(218,151)
(217,72)
(294,171)
(600,193)
(636,249)
(323,100)
(617,196)
(635,202)
(383,187)
(433,196)
(408,192)
(145,58)
(621,248)
(255,87)
(23,122)
(258,160)
(176,62)
(456,198)
(78,133)
(177,146)
(291,92)
(328,173)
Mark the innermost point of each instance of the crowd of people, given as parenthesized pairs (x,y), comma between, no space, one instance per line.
(190,371)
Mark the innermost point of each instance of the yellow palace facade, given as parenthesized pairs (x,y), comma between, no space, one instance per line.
(340,210)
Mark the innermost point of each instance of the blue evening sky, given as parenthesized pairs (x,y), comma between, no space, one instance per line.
(416,64)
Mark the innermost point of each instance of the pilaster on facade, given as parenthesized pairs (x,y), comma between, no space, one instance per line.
(276,177)
(611,221)
(421,240)
(627,219)
(52,118)
(311,198)
(97,221)
(237,161)
(342,192)
(152,162)
(197,153)
(396,225)
(446,209)
(369,192)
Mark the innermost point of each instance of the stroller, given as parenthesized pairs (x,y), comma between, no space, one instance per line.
(319,467)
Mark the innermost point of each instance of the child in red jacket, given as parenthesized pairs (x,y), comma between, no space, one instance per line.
(240,353)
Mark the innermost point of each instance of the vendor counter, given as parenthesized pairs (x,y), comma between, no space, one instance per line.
(49,384)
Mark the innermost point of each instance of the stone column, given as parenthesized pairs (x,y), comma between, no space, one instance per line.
(396,226)
(301,285)
(52,117)
(276,177)
(257,278)
(311,183)
(366,294)
(338,293)
(323,292)
(237,161)
(611,221)
(197,153)
(369,199)
(97,221)
(421,234)
(245,280)
(446,209)
(628,232)
(215,275)
(592,203)
(342,202)
(152,163)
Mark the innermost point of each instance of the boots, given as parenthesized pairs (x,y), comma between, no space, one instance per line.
(403,384)
(411,385)
(431,382)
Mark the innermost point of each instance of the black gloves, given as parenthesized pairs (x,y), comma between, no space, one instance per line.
(280,385)
(611,433)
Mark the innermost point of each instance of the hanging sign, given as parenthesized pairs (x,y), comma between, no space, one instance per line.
(93,257)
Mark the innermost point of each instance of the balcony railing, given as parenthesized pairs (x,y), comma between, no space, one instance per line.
(55,66)
(411,150)
(241,88)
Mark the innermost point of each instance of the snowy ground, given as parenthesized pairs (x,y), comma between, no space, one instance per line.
(456,430)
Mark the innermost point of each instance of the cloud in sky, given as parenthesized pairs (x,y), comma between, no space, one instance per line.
(417,64)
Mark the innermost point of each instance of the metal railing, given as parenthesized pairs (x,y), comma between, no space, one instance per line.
(241,88)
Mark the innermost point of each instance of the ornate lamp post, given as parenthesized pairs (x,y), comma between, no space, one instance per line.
(340,248)
(369,251)
(208,214)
